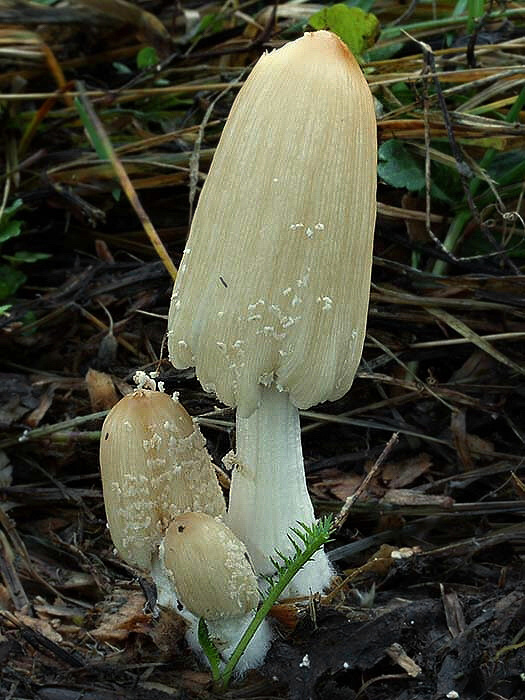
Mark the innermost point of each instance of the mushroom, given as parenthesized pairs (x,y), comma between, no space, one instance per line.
(271,299)
(154,466)
(207,570)
(209,566)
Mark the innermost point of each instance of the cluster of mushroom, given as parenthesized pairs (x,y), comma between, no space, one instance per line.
(270,307)
(165,512)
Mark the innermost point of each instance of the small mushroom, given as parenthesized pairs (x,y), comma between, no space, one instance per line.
(271,300)
(154,466)
(210,567)
(206,569)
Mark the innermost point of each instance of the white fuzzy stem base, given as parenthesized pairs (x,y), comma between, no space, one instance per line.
(268,494)
(225,632)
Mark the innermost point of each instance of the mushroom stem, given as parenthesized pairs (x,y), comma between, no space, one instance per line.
(268,493)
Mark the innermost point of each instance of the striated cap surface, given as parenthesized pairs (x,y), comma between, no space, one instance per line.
(209,567)
(274,283)
(154,465)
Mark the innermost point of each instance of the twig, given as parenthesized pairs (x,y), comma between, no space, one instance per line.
(461,165)
(347,506)
(42,643)
(46,430)
(91,121)
(473,39)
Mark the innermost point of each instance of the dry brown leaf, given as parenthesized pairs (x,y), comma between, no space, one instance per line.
(168,631)
(399,474)
(6,470)
(416,229)
(5,599)
(17,398)
(479,446)
(43,627)
(401,658)
(101,390)
(477,366)
(10,574)
(48,525)
(467,332)
(60,610)
(33,419)
(103,251)
(379,563)
(287,614)
(334,482)
(149,28)
(346,485)
(519,486)
(459,435)
(390,521)
(453,612)
(124,616)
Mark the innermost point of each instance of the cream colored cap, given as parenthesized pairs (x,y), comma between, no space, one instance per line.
(154,465)
(274,282)
(209,567)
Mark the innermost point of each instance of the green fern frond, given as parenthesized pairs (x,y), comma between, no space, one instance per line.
(209,648)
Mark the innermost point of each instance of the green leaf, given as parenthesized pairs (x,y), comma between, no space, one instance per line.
(147,58)
(9,211)
(403,92)
(365,5)
(10,280)
(446,184)
(91,130)
(212,23)
(460,8)
(122,68)
(382,53)
(398,167)
(507,168)
(475,11)
(29,318)
(10,229)
(358,29)
(25,256)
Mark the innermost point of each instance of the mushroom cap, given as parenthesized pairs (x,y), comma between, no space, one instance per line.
(274,282)
(209,567)
(154,465)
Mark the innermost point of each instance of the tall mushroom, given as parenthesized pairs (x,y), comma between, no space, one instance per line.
(271,300)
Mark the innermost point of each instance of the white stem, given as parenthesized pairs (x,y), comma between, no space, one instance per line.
(268,494)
